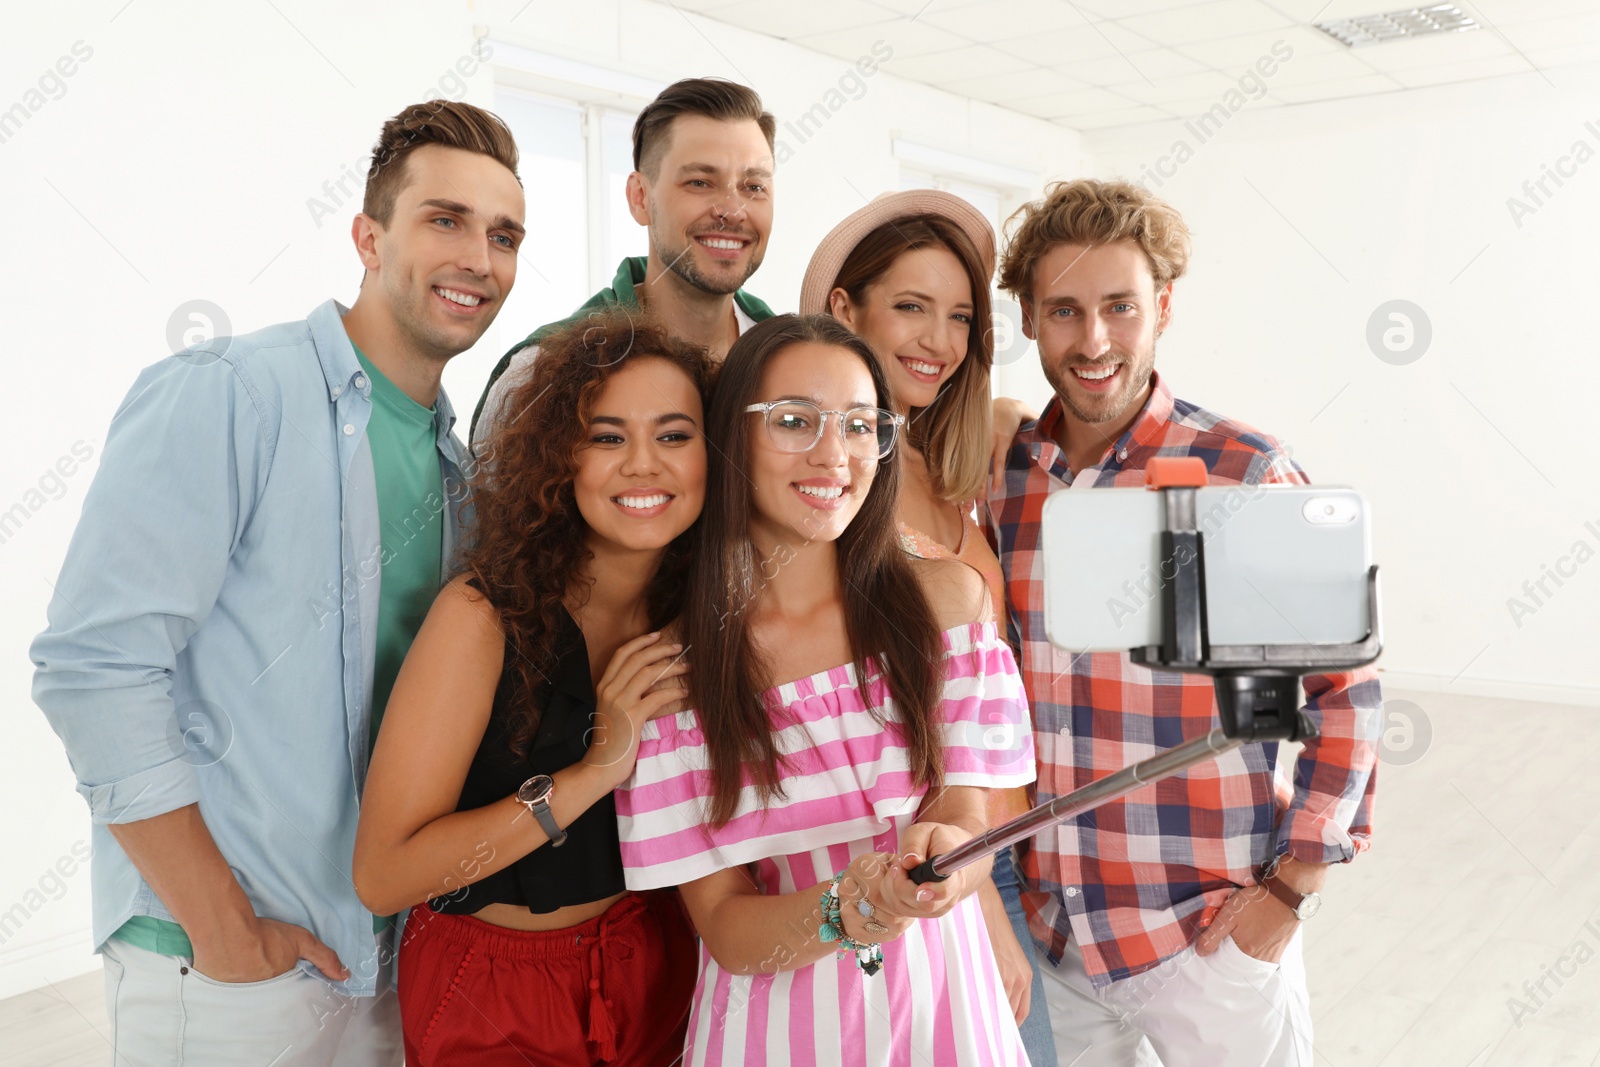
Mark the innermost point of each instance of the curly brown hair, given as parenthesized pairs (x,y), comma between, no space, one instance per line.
(527,550)
(1090,212)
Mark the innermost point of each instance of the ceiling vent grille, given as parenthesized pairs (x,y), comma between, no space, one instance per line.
(1398,25)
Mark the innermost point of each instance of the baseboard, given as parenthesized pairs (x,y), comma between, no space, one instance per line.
(1418,681)
(37,963)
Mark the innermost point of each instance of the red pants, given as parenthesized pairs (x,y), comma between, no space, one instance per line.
(615,989)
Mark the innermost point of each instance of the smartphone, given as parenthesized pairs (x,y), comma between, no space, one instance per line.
(1284,565)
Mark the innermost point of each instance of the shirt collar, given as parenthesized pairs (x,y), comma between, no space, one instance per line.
(1147,430)
(337,357)
(334,351)
(631,274)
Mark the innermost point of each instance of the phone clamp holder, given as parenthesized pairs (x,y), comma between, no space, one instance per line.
(1257,686)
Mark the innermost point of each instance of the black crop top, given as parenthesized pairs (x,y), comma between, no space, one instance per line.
(588,866)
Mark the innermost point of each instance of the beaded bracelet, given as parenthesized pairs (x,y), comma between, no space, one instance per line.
(869,957)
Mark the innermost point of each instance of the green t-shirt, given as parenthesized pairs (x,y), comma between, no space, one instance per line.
(405,462)
(411,502)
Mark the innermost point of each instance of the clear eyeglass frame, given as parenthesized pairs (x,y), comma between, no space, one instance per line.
(882,443)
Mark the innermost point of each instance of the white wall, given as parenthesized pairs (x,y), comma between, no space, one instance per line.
(177,163)
(1479,457)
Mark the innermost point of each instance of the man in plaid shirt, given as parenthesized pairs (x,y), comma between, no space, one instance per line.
(1165,923)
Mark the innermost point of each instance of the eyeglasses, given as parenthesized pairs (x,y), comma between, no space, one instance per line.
(797,425)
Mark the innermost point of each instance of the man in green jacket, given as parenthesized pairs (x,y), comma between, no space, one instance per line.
(702,184)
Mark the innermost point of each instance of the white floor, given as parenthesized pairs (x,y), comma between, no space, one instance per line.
(1485,875)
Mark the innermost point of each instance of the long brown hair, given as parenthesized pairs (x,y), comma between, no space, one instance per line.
(888,619)
(527,550)
(953,432)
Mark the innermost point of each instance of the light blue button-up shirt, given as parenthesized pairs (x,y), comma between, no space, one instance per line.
(212,635)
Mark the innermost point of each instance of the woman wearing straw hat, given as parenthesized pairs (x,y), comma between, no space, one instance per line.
(909,273)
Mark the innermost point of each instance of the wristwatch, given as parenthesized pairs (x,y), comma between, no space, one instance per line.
(1304,905)
(535,793)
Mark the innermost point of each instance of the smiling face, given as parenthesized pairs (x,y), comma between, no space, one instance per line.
(1096,314)
(448,257)
(641,478)
(917,316)
(709,203)
(809,495)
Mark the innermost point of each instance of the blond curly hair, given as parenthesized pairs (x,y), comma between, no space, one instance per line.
(1089,212)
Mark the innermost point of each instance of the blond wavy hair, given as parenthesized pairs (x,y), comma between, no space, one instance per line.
(1090,212)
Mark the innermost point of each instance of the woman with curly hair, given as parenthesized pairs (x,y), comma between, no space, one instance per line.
(518,711)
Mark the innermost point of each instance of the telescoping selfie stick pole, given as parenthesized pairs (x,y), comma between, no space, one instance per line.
(1257,686)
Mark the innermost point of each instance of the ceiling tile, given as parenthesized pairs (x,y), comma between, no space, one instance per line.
(1189,109)
(996,20)
(1112,70)
(1066,105)
(699,5)
(1335,90)
(1242,52)
(1165,90)
(1572,29)
(1036,81)
(1564,55)
(1161,63)
(1432,51)
(1101,120)
(1061,48)
(1207,22)
(938,68)
(906,37)
(1116,9)
(781,18)
(1323,67)
(918,8)
(1470,70)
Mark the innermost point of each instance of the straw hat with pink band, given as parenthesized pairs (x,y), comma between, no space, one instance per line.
(835,248)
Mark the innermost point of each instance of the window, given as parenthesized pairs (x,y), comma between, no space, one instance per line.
(574,162)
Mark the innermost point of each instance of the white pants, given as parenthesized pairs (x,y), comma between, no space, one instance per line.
(1192,1011)
(164,1013)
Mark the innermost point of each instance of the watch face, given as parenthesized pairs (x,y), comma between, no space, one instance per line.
(537,789)
(1310,904)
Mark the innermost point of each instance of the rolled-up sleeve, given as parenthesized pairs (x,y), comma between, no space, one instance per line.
(1330,815)
(177,477)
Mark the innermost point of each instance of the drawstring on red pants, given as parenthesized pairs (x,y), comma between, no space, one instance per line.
(602,1030)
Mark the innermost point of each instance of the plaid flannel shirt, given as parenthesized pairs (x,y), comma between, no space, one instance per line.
(1133,882)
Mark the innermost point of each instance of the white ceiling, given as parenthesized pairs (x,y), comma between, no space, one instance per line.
(1095,64)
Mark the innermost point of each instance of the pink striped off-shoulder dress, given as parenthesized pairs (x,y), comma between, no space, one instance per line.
(847,791)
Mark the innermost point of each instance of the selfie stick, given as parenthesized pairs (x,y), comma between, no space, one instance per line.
(1257,686)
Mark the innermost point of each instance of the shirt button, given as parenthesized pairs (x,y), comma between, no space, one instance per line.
(349,428)
(1072,890)
(338,389)
(361,381)
(1123,454)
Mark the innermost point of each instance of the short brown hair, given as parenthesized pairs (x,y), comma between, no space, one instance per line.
(715,98)
(442,122)
(1089,212)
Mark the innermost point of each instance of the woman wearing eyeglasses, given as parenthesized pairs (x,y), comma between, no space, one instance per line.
(845,699)
(909,273)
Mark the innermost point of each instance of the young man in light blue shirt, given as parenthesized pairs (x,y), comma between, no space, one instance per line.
(271,519)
